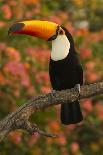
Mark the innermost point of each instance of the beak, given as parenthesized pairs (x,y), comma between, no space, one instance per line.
(37,28)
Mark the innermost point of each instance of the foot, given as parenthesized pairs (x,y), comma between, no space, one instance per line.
(77,86)
(52,95)
(53,92)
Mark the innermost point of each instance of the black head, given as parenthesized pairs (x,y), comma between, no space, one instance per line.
(63,31)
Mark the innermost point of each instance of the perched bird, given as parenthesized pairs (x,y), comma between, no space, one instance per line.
(65,69)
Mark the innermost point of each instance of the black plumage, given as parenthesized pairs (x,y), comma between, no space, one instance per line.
(65,74)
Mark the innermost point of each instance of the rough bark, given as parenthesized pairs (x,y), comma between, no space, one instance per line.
(20,118)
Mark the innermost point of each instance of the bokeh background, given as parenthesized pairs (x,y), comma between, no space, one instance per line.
(24,73)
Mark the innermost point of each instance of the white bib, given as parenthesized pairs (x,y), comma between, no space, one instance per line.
(60,48)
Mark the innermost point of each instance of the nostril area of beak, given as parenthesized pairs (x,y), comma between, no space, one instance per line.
(16,27)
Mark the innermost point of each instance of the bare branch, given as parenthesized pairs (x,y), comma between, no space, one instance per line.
(20,118)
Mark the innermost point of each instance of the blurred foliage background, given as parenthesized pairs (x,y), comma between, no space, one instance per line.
(24,73)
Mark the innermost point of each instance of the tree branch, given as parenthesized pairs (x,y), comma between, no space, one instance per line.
(20,118)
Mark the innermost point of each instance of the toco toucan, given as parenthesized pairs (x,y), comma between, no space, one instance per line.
(65,69)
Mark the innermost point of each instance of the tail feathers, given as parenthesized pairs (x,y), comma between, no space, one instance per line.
(71,113)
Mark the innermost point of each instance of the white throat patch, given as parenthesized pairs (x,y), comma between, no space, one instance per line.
(60,48)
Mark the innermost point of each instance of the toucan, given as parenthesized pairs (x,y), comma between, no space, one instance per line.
(65,69)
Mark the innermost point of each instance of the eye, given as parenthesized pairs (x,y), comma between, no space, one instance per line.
(61,31)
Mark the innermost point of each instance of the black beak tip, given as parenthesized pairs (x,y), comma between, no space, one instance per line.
(15,27)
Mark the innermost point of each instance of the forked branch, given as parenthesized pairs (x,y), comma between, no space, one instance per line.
(20,118)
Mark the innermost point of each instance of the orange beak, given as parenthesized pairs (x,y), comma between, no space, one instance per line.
(37,28)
